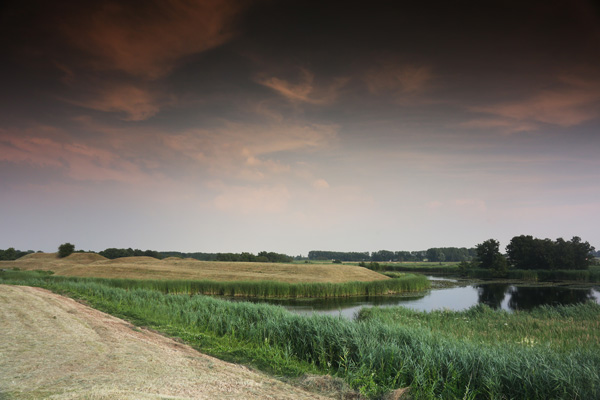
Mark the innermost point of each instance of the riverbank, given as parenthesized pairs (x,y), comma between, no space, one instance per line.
(374,356)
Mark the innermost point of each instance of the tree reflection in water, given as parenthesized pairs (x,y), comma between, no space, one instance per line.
(526,298)
(492,294)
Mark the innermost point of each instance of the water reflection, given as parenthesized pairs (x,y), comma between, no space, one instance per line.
(495,295)
(492,294)
(526,298)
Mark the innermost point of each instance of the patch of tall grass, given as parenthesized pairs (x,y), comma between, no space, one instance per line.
(561,328)
(258,289)
(373,354)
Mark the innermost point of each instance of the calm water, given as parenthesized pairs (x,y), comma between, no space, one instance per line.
(499,296)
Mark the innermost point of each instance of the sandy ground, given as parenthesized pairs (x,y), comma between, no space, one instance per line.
(52,347)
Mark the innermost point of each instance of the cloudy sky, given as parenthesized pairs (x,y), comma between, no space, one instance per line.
(291,126)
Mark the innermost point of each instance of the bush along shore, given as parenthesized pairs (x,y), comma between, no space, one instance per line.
(256,289)
(382,351)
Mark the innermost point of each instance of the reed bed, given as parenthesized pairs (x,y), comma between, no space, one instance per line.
(256,289)
(374,355)
(561,328)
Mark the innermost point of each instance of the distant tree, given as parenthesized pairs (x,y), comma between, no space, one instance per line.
(489,256)
(526,252)
(12,254)
(65,249)
(383,255)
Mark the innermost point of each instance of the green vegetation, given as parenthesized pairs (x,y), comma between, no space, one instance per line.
(435,254)
(439,355)
(263,256)
(443,268)
(65,250)
(526,252)
(257,289)
(562,328)
(11,254)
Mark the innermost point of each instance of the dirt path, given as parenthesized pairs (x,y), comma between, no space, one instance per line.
(53,347)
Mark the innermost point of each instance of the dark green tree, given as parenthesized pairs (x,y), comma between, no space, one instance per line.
(489,256)
(65,249)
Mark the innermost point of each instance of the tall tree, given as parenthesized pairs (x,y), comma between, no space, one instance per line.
(489,256)
(65,249)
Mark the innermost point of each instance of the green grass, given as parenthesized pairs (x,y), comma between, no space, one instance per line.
(423,267)
(258,289)
(562,328)
(383,351)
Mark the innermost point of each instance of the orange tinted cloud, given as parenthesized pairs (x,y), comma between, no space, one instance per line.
(148,41)
(136,104)
(575,101)
(79,161)
(305,90)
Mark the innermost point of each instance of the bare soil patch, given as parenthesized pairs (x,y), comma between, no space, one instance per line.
(52,347)
(94,265)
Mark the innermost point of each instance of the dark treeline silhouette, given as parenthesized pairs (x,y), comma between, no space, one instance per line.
(527,252)
(12,254)
(113,253)
(263,256)
(433,254)
(321,255)
(195,256)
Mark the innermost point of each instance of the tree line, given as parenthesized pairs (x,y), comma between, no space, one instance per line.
(263,256)
(435,254)
(112,253)
(11,254)
(525,252)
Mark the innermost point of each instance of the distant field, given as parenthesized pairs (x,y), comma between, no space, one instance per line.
(94,265)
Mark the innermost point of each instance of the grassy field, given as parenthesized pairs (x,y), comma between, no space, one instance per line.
(94,265)
(528,356)
(562,329)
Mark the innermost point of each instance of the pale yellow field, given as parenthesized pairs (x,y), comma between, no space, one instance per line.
(94,265)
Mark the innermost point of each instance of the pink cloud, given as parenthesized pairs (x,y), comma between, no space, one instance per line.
(135,103)
(78,160)
(305,90)
(575,100)
(148,42)
(247,150)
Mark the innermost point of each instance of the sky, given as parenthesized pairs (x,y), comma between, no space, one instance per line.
(290,126)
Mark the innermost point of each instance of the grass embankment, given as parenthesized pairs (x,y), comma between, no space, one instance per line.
(259,289)
(378,353)
(443,268)
(94,265)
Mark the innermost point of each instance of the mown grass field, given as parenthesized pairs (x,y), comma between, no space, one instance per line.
(94,265)
(529,356)
(55,348)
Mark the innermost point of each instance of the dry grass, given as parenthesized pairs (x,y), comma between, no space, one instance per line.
(94,265)
(53,347)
